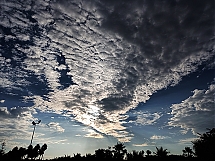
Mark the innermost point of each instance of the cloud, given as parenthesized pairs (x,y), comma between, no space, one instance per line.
(56,126)
(145,118)
(96,61)
(157,137)
(196,113)
(93,134)
(15,125)
(187,140)
(141,145)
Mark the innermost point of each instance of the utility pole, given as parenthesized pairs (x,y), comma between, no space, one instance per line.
(34,123)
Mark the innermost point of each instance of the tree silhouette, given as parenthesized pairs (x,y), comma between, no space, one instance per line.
(161,152)
(119,151)
(187,152)
(22,152)
(104,153)
(204,147)
(14,154)
(135,155)
(30,151)
(2,150)
(36,151)
(108,153)
(42,150)
(148,152)
(100,153)
(77,156)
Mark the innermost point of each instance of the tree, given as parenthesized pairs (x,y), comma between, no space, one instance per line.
(135,155)
(108,153)
(104,153)
(148,152)
(77,156)
(204,147)
(42,150)
(29,152)
(2,150)
(119,151)
(14,154)
(22,152)
(100,153)
(161,152)
(36,151)
(188,152)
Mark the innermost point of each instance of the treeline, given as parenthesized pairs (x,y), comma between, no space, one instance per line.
(18,154)
(203,149)
(119,153)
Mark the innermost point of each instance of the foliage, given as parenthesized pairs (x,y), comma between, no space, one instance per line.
(161,152)
(135,155)
(23,153)
(188,152)
(2,150)
(204,147)
(148,152)
(119,151)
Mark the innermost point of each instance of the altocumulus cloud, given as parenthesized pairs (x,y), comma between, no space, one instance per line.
(13,124)
(96,60)
(196,113)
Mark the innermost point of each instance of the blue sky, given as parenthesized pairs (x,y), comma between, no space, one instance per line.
(98,72)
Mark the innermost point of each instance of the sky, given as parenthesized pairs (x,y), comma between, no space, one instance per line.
(98,72)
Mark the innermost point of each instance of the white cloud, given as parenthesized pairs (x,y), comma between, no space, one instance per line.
(187,140)
(94,134)
(56,126)
(141,145)
(15,125)
(196,113)
(157,137)
(145,118)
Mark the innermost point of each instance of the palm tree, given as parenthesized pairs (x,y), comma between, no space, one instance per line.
(188,152)
(161,152)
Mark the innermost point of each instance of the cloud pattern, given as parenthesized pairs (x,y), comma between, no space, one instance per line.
(196,113)
(96,60)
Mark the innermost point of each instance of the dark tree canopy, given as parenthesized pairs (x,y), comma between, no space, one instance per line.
(204,147)
(160,152)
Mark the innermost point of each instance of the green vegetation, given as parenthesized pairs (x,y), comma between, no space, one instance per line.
(204,148)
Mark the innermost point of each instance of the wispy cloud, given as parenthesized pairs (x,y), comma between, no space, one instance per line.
(157,137)
(142,145)
(187,141)
(93,134)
